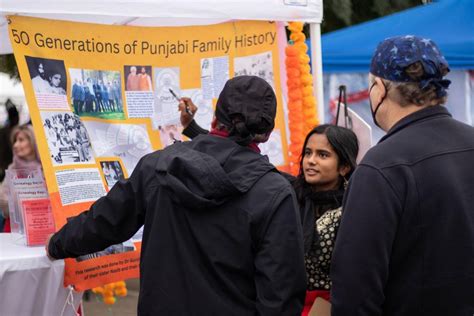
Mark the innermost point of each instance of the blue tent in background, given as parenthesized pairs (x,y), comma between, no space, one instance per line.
(450,23)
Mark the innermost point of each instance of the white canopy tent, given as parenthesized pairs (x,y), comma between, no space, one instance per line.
(10,89)
(174,13)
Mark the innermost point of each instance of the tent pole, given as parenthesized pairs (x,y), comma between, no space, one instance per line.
(317,67)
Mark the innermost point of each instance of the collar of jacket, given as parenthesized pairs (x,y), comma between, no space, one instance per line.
(225,134)
(436,110)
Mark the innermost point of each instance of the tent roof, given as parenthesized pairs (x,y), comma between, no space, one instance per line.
(450,23)
(158,12)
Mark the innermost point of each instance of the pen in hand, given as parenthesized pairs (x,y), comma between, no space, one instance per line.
(176,97)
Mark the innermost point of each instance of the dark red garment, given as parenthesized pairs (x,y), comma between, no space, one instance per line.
(225,134)
(6,226)
(311,297)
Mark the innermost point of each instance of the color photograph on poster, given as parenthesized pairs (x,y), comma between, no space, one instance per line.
(96,93)
(170,134)
(138,78)
(67,137)
(139,91)
(112,171)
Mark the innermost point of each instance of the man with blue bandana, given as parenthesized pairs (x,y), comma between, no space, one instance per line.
(406,241)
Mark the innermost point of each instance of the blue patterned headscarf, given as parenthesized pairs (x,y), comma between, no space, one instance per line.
(395,54)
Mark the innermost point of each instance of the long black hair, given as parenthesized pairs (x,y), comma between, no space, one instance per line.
(344,143)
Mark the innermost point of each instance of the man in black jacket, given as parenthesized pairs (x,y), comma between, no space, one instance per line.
(221,226)
(406,241)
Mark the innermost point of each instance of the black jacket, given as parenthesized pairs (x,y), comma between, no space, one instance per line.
(221,237)
(406,241)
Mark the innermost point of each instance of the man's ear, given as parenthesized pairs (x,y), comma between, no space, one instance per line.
(379,90)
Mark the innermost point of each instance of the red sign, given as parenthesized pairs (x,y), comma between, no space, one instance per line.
(39,221)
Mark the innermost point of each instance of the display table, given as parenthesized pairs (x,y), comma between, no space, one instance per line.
(30,283)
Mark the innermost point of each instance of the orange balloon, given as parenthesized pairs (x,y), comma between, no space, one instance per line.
(301,47)
(121,292)
(295,26)
(291,50)
(98,290)
(305,68)
(304,58)
(293,73)
(295,94)
(292,61)
(307,79)
(109,300)
(297,37)
(307,91)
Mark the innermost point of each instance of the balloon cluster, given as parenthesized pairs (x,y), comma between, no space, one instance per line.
(109,291)
(301,102)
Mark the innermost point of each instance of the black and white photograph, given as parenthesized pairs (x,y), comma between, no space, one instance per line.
(260,65)
(67,137)
(48,76)
(112,250)
(112,171)
(96,93)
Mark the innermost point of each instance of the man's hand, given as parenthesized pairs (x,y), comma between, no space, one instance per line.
(187,109)
(46,246)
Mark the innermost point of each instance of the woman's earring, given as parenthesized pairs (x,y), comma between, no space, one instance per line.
(346,183)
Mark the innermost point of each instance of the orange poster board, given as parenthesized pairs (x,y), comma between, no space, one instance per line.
(99,99)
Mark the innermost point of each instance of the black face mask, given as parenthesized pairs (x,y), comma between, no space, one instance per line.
(374,112)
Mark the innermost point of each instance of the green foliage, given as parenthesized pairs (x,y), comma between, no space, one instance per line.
(342,13)
(8,66)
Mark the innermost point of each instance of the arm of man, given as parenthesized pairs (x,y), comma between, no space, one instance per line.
(191,129)
(280,271)
(112,219)
(360,261)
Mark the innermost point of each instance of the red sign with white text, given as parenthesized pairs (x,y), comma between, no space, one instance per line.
(39,221)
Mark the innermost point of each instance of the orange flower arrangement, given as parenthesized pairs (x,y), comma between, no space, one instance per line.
(109,291)
(302,115)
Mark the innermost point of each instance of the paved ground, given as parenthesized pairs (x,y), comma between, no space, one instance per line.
(124,306)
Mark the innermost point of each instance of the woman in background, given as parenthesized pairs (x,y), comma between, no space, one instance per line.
(25,156)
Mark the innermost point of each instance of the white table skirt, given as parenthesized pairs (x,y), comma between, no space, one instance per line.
(30,283)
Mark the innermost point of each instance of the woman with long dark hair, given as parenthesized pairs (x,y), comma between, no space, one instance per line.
(328,159)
